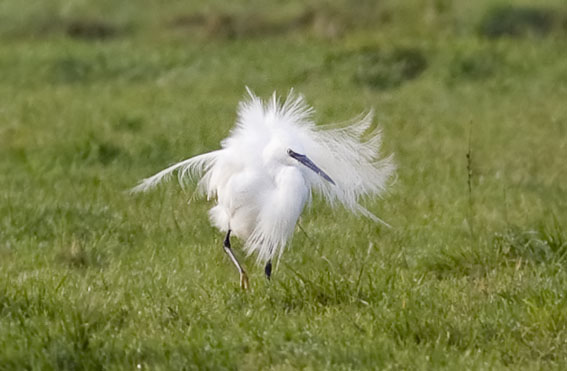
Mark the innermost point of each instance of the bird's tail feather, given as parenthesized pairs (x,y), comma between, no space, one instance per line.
(187,169)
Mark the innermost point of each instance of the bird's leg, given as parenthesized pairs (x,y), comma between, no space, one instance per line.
(243,277)
(268,269)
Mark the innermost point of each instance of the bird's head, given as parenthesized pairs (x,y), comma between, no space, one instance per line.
(305,161)
(287,152)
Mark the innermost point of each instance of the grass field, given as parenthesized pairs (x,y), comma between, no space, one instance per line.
(471,97)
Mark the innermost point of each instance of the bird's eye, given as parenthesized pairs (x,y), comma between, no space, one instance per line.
(289,152)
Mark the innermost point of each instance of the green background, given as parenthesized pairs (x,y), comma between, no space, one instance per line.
(471,97)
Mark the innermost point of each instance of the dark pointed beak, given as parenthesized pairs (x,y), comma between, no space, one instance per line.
(307,162)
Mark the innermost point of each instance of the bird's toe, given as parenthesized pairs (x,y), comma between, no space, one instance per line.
(244,284)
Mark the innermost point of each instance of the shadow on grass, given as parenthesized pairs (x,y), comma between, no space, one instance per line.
(380,69)
(49,23)
(476,66)
(522,21)
(91,29)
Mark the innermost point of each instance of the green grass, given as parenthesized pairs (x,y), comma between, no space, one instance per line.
(97,95)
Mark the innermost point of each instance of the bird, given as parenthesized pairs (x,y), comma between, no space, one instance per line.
(269,166)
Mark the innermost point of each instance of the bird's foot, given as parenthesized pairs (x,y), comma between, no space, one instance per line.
(244,284)
(268,269)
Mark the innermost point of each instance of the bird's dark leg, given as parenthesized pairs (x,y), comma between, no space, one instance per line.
(243,277)
(268,269)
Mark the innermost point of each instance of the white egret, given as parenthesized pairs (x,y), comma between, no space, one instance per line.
(268,166)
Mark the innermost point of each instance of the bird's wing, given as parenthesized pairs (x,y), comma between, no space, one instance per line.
(187,170)
(353,163)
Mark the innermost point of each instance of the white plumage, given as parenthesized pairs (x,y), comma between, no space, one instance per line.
(261,187)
